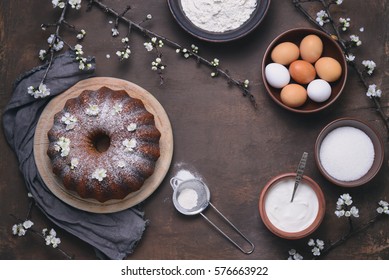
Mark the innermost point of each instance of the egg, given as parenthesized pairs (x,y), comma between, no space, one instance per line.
(293,95)
(328,69)
(302,72)
(285,53)
(277,75)
(311,48)
(319,90)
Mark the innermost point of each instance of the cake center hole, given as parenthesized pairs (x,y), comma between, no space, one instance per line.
(101,142)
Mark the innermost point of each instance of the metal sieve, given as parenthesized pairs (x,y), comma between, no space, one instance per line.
(203,200)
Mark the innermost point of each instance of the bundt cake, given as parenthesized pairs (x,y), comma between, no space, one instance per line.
(103,144)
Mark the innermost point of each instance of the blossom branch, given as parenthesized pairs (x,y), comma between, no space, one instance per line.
(138,27)
(347,236)
(345,45)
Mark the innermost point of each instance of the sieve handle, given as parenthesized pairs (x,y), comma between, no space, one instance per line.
(174,182)
(234,227)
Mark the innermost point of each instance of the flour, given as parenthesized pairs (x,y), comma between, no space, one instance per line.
(188,199)
(218,15)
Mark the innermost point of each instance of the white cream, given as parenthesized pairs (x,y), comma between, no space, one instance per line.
(291,216)
(218,15)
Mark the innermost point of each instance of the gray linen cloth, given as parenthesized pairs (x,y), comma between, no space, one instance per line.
(114,235)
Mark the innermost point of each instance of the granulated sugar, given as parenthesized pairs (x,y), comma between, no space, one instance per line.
(347,153)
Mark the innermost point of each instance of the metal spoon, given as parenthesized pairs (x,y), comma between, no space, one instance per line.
(299,173)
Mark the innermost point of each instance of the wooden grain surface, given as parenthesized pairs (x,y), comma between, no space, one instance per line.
(234,148)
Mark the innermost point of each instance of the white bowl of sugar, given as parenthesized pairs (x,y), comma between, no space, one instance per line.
(349,152)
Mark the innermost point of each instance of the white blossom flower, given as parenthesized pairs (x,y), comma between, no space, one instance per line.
(383,207)
(344,208)
(129,145)
(117,108)
(339,213)
(131,127)
(81,35)
(21,229)
(215,62)
(27,224)
(370,66)
(345,23)
(125,54)
(108,56)
(69,120)
(125,40)
(42,54)
(354,211)
(373,91)
(338,2)
(157,64)
(347,199)
(58,3)
(246,83)
(355,40)
(92,110)
(195,49)
(75,4)
(99,174)
(115,32)
(350,57)
(63,146)
(149,16)
(317,245)
(361,29)
(18,230)
(51,238)
(74,163)
(148,46)
(40,92)
(121,163)
(293,255)
(322,17)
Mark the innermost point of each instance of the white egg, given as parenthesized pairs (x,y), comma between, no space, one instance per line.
(319,90)
(277,75)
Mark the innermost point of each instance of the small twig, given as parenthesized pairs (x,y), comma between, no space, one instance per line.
(347,236)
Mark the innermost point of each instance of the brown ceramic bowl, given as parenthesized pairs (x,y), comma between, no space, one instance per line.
(299,234)
(378,151)
(330,48)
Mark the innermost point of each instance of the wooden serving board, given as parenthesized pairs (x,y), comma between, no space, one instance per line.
(91,205)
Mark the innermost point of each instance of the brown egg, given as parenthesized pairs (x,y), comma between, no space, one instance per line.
(302,72)
(311,48)
(293,95)
(285,53)
(328,69)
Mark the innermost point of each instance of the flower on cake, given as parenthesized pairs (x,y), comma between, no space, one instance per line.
(99,174)
(92,110)
(129,145)
(121,163)
(117,108)
(69,120)
(131,127)
(63,146)
(74,163)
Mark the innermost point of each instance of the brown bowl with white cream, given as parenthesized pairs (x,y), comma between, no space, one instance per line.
(291,220)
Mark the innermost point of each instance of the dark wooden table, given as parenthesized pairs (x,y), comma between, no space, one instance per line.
(234,147)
